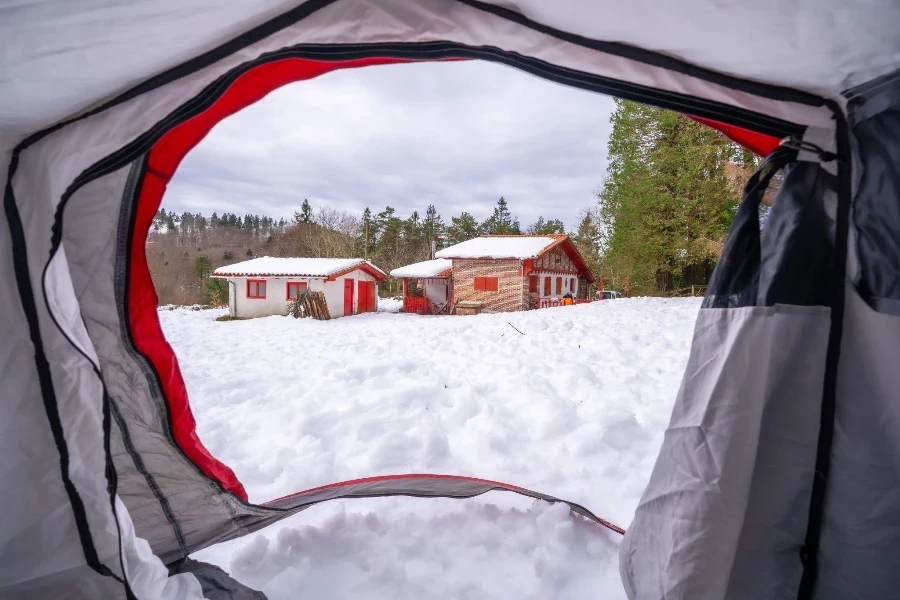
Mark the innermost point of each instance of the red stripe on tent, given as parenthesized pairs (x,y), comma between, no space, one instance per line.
(164,159)
(757,143)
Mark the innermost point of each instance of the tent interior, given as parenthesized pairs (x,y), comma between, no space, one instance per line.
(778,475)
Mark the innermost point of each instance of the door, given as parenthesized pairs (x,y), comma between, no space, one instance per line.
(366,296)
(348,297)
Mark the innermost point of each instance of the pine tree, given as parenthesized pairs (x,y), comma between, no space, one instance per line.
(368,232)
(305,215)
(501,222)
(202,267)
(587,241)
(433,227)
(542,227)
(412,227)
(462,228)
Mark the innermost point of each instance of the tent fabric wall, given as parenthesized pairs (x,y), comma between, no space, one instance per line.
(95,391)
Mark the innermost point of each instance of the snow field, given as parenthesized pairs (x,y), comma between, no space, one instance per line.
(575,407)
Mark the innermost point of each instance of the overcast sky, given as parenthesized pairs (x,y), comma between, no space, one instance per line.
(456,135)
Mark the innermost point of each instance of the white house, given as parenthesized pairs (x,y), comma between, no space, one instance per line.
(264,286)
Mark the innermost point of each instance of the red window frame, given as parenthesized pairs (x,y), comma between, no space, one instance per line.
(487,284)
(558,286)
(301,285)
(257,296)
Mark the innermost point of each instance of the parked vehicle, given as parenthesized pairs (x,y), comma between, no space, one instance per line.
(608,295)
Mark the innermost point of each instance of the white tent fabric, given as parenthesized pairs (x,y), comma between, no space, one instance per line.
(44,45)
(100,467)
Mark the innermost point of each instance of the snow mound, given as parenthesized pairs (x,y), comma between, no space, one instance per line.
(576,407)
(390,305)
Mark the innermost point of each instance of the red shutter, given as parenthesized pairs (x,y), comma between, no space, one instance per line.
(533,284)
(559,285)
(491,284)
(546,286)
(479,284)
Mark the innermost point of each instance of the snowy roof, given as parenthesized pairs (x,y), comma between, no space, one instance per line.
(439,267)
(295,267)
(501,246)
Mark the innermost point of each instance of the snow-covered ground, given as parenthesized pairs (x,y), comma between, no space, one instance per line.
(574,406)
(390,305)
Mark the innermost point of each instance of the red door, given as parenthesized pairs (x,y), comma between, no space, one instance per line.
(348,297)
(366,296)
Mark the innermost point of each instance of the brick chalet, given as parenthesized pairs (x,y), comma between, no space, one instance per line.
(500,273)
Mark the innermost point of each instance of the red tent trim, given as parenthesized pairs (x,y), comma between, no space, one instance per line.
(757,143)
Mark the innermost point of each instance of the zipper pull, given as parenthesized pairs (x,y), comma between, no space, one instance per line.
(794,143)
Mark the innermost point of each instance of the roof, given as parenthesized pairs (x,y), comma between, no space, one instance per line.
(502,246)
(268,266)
(439,267)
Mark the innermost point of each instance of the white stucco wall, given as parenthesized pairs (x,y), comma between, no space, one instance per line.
(276,302)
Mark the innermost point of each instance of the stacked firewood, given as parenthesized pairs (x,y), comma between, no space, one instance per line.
(309,304)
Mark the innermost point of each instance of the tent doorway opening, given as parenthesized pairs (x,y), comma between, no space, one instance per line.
(292,175)
(289,406)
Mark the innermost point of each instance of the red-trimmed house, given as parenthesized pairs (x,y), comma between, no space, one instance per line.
(264,286)
(502,273)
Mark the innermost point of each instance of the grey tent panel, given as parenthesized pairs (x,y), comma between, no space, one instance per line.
(710,524)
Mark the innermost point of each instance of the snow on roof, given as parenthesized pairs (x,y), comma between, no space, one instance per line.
(292,267)
(438,267)
(501,246)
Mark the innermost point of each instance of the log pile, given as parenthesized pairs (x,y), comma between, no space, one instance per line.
(310,304)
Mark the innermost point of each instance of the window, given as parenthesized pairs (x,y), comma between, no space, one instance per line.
(559,285)
(487,284)
(533,284)
(295,288)
(256,288)
(546,286)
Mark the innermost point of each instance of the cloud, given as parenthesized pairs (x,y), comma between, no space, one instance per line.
(457,135)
